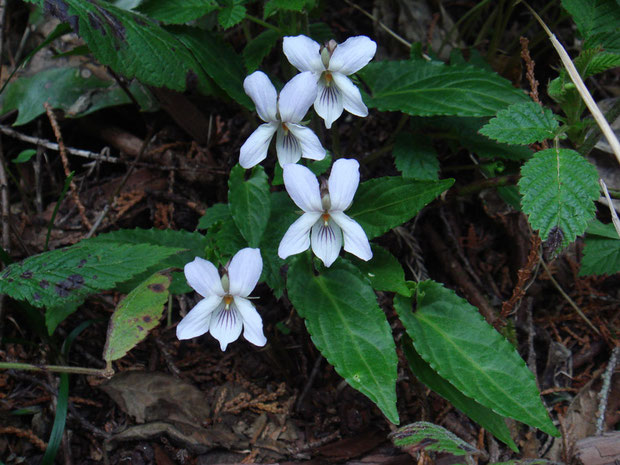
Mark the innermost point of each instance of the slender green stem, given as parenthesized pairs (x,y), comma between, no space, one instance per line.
(263,23)
(335,141)
(485,183)
(106,373)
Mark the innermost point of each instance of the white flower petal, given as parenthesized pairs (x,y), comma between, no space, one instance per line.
(254,149)
(297,237)
(244,271)
(260,89)
(310,144)
(197,321)
(326,241)
(297,96)
(303,187)
(352,55)
(226,325)
(203,277)
(288,148)
(351,96)
(303,53)
(355,239)
(342,183)
(328,103)
(252,322)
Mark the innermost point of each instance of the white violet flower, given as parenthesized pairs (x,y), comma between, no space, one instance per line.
(324,223)
(281,115)
(225,308)
(331,65)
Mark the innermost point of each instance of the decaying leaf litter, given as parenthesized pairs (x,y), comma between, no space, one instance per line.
(190,403)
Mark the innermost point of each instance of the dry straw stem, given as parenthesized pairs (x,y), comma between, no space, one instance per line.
(581,87)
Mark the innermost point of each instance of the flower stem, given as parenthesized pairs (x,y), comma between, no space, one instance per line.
(263,23)
(106,372)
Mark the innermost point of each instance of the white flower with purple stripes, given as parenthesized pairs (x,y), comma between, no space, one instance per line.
(331,65)
(282,116)
(324,222)
(225,309)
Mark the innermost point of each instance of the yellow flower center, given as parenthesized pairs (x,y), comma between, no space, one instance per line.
(228,300)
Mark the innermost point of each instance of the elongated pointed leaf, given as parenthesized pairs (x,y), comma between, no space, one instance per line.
(348,327)
(250,204)
(559,187)
(425,89)
(482,415)
(522,124)
(135,315)
(456,341)
(383,203)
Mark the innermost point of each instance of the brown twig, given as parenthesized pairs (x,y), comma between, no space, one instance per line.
(529,65)
(65,164)
(523,276)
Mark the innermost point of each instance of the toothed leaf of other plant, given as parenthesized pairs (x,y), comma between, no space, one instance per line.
(522,124)
(559,188)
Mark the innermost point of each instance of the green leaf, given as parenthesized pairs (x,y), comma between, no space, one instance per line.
(601,254)
(224,240)
(319,167)
(482,415)
(415,157)
(596,62)
(456,341)
(61,280)
(596,228)
(522,124)
(177,11)
(383,271)
(218,59)
(466,131)
(213,215)
(282,216)
(250,204)
(423,435)
(24,156)
(231,14)
(348,327)
(258,48)
(559,188)
(133,45)
(192,243)
(135,315)
(383,203)
(426,89)
(60,87)
(287,5)
(598,22)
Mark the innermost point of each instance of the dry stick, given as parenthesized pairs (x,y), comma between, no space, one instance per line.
(581,87)
(405,42)
(65,164)
(53,146)
(568,299)
(604,394)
